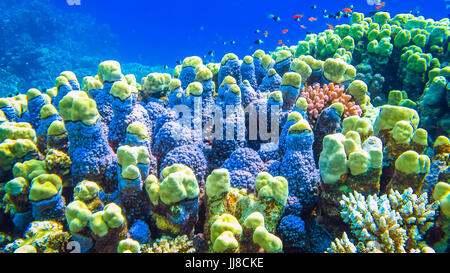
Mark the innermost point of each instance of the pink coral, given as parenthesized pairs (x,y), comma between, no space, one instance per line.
(319,97)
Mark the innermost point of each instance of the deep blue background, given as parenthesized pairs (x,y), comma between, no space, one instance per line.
(162,32)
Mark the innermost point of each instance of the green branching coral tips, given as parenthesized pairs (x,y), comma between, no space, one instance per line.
(111,217)
(77,216)
(129,246)
(269,242)
(272,187)
(77,106)
(109,71)
(122,90)
(138,128)
(217,183)
(44,187)
(179,183)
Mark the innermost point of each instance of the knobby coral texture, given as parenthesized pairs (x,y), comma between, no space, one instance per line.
(336,144)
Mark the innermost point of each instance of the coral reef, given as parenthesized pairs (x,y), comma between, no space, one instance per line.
(342,135)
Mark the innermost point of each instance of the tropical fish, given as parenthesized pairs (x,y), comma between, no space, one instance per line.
(382,4)
(257,31)
(232,42)
(298,16)
(266,33)
(259,41)
(166,67)
(302,26)
(330,26)
(313,7)
(179,62)
(211,53)
(279,41)
(312,19)
(275,18)
(284,31)
(347,10)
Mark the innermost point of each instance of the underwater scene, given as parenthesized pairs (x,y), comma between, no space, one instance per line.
(232,126)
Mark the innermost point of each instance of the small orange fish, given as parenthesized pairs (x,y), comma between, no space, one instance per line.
(382,4)
(312,19)
(279,42)
(284,31)
(330,26)
(298,16)
(266,33)
(302,26)
(347,10)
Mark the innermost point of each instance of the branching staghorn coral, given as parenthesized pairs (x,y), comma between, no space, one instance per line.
(394,223)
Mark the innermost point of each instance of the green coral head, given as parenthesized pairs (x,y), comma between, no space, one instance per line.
(292,79)
(192,61)
(45,187)
(109,71)
(203,73)
(77,216)
(301,127)
(77,106)
(129,246)
(225,222)
(17,186)
(228,57)
(122,90)
(217,183)
(411,162)
(254,220)
(272,187)
(269,242)
(302,104)
(139,129)
(86,190)
(179,183)
(194,89)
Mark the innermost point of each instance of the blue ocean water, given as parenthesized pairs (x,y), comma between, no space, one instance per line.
(162,32)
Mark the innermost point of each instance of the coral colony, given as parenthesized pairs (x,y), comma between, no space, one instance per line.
(336,144)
